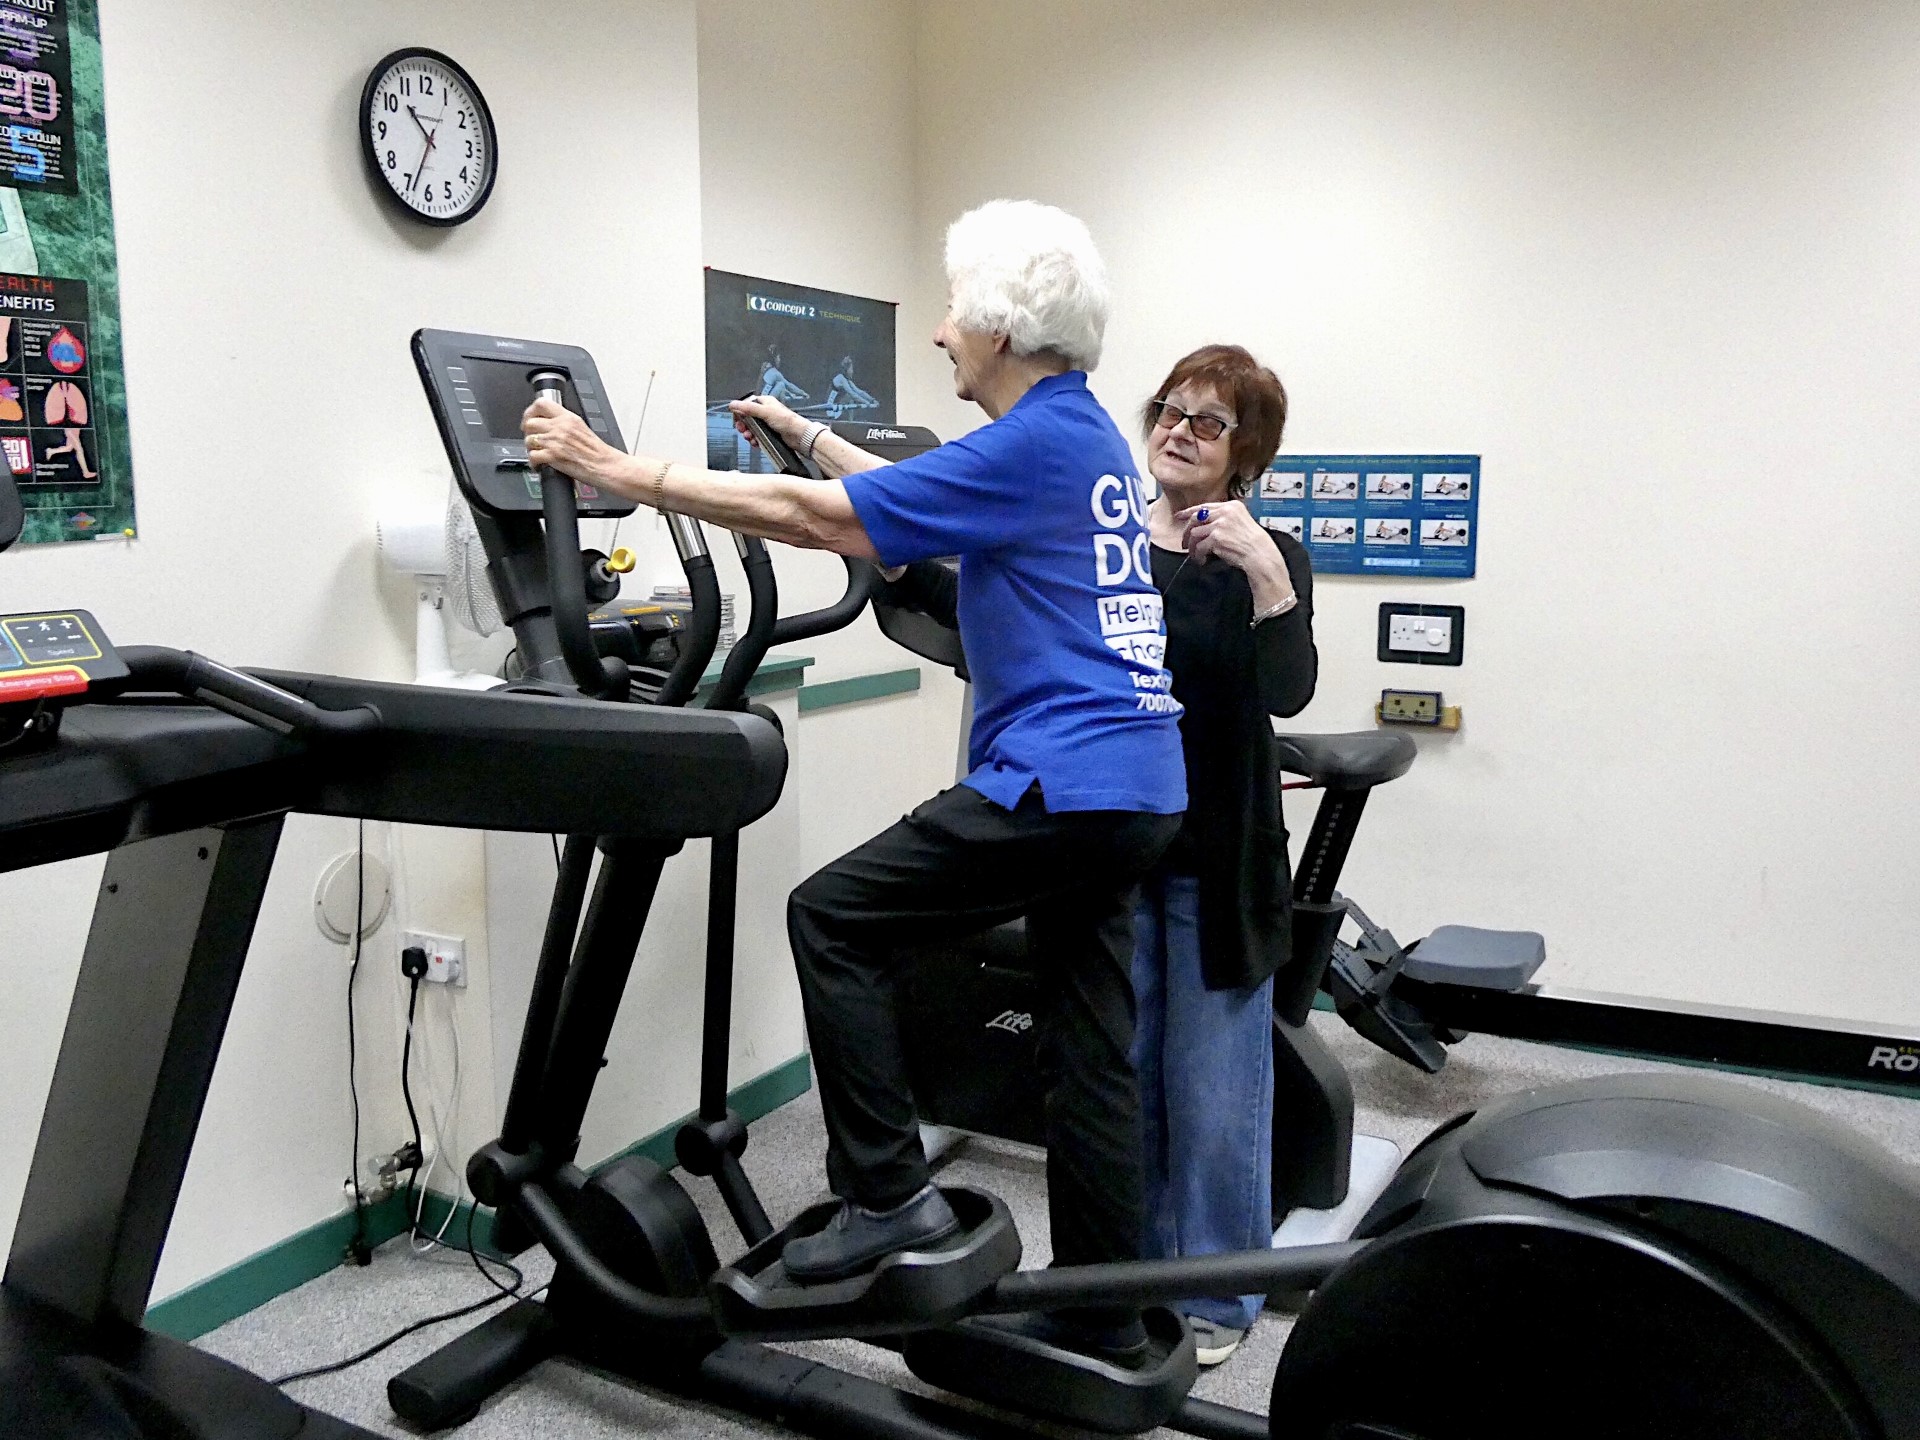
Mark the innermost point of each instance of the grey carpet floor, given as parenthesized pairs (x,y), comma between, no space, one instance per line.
(342,1312)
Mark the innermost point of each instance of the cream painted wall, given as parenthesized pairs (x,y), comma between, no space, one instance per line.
(1655,264)
(267,302)
(801,181)
(808,175)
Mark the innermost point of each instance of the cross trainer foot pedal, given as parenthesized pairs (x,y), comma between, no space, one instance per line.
(1027,1375)
(907,1290)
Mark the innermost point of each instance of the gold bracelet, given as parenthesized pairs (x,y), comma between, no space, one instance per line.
(660,485)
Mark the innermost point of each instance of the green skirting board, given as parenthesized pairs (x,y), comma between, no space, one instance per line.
(319,1248)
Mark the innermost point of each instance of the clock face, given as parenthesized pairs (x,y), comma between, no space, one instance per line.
(428,136)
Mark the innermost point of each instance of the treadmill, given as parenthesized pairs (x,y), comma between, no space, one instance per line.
(183,772)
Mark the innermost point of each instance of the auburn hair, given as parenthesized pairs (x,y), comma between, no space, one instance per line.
(1259,404)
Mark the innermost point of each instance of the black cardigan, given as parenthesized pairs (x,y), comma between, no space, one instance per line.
(1231,678)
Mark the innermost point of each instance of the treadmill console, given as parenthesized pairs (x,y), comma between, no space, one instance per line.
(479,386)
(58,652)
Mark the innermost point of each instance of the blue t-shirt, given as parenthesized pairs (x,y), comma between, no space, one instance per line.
(1058,613)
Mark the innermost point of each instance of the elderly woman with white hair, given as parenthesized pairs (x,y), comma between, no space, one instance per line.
(1075,780)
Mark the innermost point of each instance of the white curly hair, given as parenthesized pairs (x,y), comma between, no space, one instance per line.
(1030,272)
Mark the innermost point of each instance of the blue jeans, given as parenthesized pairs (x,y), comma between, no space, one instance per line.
(1205,1061)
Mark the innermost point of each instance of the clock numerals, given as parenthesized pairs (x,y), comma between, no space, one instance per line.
(418,105)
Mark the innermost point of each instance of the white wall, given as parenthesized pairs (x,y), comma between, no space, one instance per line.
(807,174)
(803,182)
(267,303)
(1655,264)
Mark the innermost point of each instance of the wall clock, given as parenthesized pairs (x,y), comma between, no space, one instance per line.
(428,137)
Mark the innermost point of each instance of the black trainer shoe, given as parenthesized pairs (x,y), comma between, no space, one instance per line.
(1124,1344)
(857,1239)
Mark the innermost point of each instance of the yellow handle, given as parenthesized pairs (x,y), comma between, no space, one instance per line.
(621,561)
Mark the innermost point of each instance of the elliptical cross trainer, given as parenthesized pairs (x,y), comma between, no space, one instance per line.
(1689,1247)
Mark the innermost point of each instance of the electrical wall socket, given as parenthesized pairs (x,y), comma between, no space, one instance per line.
(1420,634)
(446,956)
(1410,707)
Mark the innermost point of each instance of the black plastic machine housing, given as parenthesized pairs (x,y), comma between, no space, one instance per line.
(478,387)
(1663,1254)
(184,771)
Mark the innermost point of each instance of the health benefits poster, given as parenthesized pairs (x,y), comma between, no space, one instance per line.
(824,355)
(63,399)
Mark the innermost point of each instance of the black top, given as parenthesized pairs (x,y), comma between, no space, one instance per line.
(1230,678)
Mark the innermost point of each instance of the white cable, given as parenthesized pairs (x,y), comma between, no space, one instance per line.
(438,1120)
(419,1033)
(423,1033)
(442,1120)
(453,1116)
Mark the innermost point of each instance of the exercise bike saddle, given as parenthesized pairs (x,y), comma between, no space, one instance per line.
(1357,760)
(908,1290)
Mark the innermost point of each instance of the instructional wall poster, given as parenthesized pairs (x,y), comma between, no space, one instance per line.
(63,399)
(827,356)
(1401,515)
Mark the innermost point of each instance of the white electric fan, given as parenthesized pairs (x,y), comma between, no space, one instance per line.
(448,564)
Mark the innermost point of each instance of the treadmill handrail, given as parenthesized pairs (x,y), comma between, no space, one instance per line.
(861,579)
(245,697)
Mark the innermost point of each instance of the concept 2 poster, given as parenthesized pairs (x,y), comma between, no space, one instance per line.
(827,356)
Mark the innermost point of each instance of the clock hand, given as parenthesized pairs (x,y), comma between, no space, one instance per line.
(426,152)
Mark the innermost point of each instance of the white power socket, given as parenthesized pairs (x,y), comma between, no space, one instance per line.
(446,956)
(1420,634)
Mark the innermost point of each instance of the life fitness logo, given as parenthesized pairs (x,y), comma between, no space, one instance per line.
(1902,1060)
(767,305)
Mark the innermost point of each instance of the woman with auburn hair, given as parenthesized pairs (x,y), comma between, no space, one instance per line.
(1215,915)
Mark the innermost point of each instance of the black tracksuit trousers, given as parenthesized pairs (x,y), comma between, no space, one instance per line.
(960,864)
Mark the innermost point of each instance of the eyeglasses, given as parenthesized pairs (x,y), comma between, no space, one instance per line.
(1203,426)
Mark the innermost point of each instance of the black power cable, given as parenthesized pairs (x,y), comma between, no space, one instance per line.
(502,1292)
(413,972)
(359,1249)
